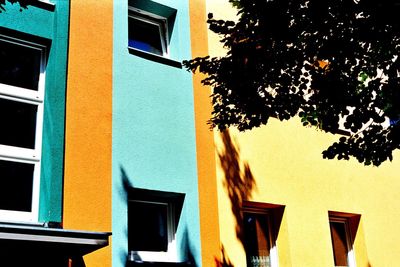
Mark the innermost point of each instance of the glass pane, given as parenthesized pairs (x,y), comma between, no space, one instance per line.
(19,65)
(147,226)
(145,36)
(18,123)
(339,243)
(16,180)
(257,239)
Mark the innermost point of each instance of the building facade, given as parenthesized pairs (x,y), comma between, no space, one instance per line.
(106,133)
(33,71)
(130,144)
(290,207)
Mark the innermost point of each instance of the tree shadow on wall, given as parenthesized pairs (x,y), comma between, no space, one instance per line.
(23,4)
(224,260)
(239,183)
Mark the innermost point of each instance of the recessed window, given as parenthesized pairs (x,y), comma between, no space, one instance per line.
(342,241)
(150,32)
(22,71)
(152,223)
(148,226)
(259,237)
(147,32)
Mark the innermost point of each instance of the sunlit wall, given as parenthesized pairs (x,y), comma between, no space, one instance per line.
(153,141)
(87,178)
(285,167)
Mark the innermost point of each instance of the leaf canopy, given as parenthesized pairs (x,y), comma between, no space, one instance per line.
(333,63)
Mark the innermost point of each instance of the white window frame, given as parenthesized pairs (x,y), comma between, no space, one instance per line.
(273,253)
(162,256)
(350,252)
(26,155)
(159,21)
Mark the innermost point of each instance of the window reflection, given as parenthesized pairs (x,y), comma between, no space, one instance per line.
(20,65)
(18,122)
(16,186)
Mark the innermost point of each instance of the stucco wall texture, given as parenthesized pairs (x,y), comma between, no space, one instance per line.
(285,165)
(87,178)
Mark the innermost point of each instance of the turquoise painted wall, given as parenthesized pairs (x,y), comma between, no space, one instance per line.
(153,130)
(51,23)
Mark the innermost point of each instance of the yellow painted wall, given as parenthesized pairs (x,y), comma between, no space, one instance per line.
(286,163)
(285,167)
(87,180)
(207,186)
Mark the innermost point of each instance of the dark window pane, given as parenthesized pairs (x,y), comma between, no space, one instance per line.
(147,224)
(145,36)
(16,180)
(18,123)
(19,65)
(339,243)
(257,239)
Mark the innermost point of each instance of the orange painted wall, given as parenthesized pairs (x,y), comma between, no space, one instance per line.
(87,177)
(209,222)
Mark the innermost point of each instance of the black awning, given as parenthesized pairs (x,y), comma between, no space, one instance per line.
(43,246)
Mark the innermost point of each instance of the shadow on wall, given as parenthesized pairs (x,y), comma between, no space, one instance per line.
(22,3)
(123,194)
(239,184)
(239,181)
(224,261)
(186,248)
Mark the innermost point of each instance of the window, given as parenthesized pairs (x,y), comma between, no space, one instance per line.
(152,222)
(22,72)
(150,32)
(259,237)
(147,32)
(342,243)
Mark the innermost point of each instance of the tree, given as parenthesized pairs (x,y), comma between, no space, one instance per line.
(332,63)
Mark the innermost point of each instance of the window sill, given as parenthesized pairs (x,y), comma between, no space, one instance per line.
(156,58)
(44,4)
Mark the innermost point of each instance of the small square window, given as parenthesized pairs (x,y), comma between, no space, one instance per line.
(152,223)
(148,226)
(342,238)
(147,32)
(150,32)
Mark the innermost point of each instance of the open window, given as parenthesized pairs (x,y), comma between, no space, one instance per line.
(150,28)
(22,74)
(260,228)
(148,32)
(343,227)
(153,218)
